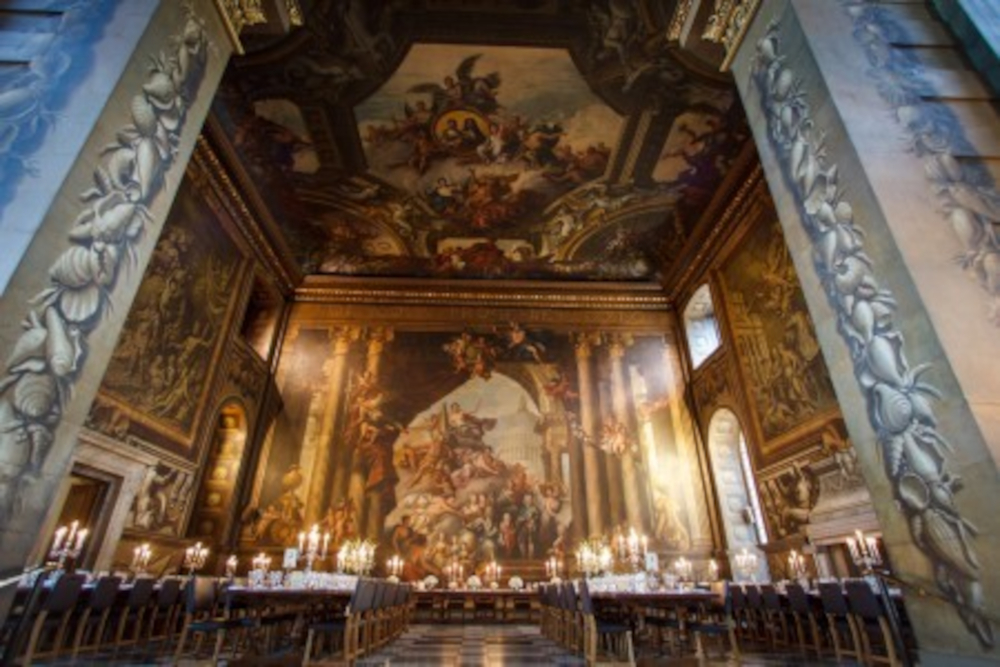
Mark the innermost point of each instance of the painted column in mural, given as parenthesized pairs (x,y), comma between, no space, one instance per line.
(368,501)
(610,462)
(632,491)
(685,440)
(318,470)
(592,500)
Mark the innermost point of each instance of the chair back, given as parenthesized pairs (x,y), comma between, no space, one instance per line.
(754,599)
(381,588)
(586,602)
(771,600)
(366,596)
(798,599)
(399,599)
(833,599)
(64,594)
(722,599)
(201,594)
(170,590)
(567,599)
(739,598)
(141,593)
(863,601)
(104,593)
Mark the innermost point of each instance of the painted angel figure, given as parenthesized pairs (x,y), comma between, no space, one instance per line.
(463,89)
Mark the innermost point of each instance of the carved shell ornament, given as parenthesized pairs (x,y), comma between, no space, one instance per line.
(969,199)
(914,452)
(47,359)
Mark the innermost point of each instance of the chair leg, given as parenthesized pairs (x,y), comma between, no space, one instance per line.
(182,640)
(36,632)
(220,638)
(78,636)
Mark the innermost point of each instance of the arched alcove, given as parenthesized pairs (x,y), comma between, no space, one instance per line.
(733,484)
(214,511)
(700,326)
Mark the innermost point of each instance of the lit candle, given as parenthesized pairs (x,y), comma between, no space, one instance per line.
(853,548)
(60,536)
(326,543)
(80,538)
(713,569)
(302,542)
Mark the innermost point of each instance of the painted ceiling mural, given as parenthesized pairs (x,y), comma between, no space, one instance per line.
(387,145)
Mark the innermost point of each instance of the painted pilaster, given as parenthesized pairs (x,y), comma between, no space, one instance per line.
(64,305)
(632,482)
(320,482)
(876,174)
(593,495)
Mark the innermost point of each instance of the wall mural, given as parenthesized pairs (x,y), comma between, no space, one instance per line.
(162,500)
(465,445)
(774,336)
(48,358)
(915,452)
(965,188)
(173,333)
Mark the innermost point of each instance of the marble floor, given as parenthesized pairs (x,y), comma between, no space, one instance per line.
(516,645)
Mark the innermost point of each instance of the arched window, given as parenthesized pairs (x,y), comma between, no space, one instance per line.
(754,497)
(700,326)
(739,506)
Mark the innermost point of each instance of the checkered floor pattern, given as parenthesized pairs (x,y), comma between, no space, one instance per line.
(479,645)
(516,645)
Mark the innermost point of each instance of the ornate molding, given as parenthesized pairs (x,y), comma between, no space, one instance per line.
(915,452)
(728,26)
(238,14)
(48,359)
(451,294)
(680,17)
(219,180)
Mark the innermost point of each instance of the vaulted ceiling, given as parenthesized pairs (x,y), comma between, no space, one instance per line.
(526,139)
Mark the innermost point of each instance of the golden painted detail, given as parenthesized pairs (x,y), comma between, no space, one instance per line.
(238,14)
(449,298)
(416,317)
(754,189)
(618,343)
(728,25)
(294,12)
(218,179)
(680,17)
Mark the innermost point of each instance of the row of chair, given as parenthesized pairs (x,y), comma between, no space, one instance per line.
(378,612)
(67,624)
(568,618)
(848,623)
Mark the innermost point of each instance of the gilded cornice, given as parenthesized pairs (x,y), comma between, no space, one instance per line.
(238,14)
(728,26)
(218,179)
(456,293)
(752,187)
(680,17)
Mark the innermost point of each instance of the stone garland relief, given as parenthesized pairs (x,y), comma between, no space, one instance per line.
(48,358)
(914,451)
(968,196)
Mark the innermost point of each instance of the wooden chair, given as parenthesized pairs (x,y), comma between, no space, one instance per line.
(775,617)
(716,620)
(843,629)
(755,613)
(872,622)
(570,623)
(53,617)
(337,628)
(805,620)
(202,617)
(132,612)
(91,624)
(616,637)
(165,610)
